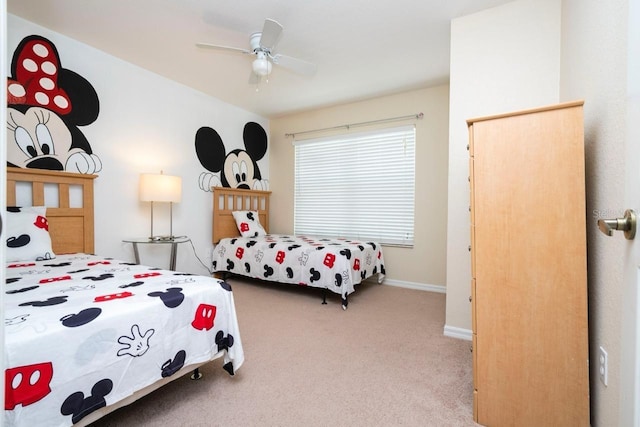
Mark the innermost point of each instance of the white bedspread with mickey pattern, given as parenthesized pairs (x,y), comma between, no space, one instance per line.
(82,332)
(332,263)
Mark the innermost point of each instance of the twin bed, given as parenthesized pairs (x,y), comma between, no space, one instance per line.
(244,247)
(85,334)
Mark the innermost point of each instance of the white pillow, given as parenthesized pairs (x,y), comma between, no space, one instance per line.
(27,234)
(248,223)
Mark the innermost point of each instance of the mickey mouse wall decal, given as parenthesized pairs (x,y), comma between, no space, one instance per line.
(236,169)
(46,105)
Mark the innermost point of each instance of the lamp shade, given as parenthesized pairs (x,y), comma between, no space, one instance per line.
(160,188)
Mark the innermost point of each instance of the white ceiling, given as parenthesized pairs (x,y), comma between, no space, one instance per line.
(363,48)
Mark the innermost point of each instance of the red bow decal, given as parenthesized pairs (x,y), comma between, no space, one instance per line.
(36,81)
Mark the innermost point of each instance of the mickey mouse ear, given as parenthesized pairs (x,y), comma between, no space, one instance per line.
(255,140)
(79,406)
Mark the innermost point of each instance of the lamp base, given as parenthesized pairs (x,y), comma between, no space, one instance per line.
(162,238)
(165,238)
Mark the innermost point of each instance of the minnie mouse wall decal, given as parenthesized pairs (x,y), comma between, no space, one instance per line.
(46,106)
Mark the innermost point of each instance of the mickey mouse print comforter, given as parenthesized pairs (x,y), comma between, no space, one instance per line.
(332,263)
(83,332)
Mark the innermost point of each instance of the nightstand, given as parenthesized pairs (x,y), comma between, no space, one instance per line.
(146,241)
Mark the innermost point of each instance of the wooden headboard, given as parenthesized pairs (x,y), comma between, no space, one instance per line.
(71,228)
(226,200)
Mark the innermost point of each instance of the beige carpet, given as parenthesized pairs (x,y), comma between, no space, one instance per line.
(382,362)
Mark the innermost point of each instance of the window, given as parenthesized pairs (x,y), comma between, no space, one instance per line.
(360,186)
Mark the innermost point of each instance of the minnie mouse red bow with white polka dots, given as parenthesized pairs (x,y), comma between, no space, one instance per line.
(36,81)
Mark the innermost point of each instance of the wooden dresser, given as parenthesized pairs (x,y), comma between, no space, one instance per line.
(529,268)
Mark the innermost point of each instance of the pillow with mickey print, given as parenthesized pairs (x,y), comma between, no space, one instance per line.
(248,223)
(27,234)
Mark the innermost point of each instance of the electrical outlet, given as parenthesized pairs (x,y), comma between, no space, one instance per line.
(603,369)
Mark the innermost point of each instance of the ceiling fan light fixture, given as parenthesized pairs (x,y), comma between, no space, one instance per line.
(262,45)
(262,66)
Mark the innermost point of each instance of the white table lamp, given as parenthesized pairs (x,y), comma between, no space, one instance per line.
(161,188)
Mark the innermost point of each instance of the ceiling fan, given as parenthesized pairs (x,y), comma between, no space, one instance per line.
(262,45)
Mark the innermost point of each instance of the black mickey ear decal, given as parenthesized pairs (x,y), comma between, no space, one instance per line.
(60,264)
(82,318)
(27,289)
(131,285)
(268,271)
(79,406)
(315,275)
(255,140)
(46,303)
(170,367)
(224,343)
(104,276)
(18,242)
(229,368)
(171,298)
(346,253)
(210,149)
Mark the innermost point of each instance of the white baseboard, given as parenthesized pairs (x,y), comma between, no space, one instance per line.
(413,285)
(449,331)
(455,332)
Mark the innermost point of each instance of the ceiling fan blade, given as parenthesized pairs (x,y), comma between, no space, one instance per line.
(229,48)
(271,34)
(296,65)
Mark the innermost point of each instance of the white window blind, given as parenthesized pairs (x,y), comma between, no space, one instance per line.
(359,186)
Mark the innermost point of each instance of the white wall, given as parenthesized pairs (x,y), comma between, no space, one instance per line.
(147,123)
(502,59)
(530,53)
(423,265)
(594,66)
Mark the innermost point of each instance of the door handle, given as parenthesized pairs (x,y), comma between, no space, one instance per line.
(626,224)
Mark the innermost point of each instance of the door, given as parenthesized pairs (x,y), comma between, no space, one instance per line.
(630,352)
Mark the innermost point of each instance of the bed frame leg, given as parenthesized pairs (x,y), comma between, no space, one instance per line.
(196,375)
